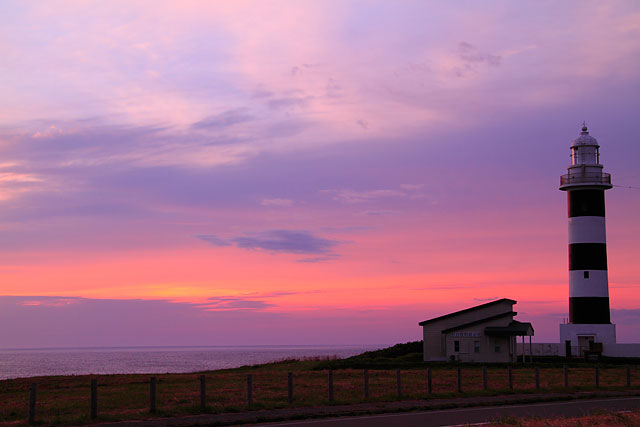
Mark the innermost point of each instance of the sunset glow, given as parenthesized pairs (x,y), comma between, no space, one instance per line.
(308,172)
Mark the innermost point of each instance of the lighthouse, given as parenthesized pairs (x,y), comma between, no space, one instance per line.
(589,327)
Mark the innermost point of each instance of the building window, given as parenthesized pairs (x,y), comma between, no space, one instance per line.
(497,347)
(586,274)
(476,346)
(456,346)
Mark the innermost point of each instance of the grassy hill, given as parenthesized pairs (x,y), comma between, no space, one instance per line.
(398,356)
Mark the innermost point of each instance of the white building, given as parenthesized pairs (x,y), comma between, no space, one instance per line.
(484,333)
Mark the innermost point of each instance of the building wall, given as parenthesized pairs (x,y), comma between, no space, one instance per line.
(622,350)
(554,349)
(487,345)
(603,333)
(540,348)
(434,342)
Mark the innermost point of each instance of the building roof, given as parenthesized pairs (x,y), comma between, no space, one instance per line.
(515,328)
(467,310)
(479,321)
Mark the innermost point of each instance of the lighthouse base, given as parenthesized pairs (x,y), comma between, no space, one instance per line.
(576,338)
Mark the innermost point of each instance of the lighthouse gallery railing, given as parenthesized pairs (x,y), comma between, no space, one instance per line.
(599,178)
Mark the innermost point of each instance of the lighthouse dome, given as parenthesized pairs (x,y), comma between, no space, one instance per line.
(584,139)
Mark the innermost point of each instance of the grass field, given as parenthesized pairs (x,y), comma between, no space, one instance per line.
(619,419)
(65,400)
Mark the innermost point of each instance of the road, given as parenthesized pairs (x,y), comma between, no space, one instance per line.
(454,417)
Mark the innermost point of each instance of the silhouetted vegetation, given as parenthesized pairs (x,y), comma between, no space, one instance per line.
(398,356)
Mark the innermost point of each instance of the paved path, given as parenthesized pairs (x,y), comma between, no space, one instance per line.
(455,417)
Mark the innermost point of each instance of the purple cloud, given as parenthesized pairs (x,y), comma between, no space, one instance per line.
(224,120)
(235,303)
(213,239)
(285,102)
(280,241)
(61,321)
(381,212)
(45,321)
(318,259)
(470,53)
(287,241)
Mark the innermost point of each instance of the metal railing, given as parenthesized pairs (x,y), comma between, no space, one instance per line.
(597,178)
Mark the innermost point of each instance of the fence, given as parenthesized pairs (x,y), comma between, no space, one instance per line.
(275,389)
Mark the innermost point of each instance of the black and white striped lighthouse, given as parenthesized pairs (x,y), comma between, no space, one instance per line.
(585,185)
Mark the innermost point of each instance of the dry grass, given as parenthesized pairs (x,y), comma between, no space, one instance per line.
(65,400)
(619,419)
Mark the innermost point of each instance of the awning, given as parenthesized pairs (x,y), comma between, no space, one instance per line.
(515,328)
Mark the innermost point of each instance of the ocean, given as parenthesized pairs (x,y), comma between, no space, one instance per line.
(21,363)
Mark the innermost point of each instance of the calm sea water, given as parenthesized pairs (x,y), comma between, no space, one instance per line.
(147,360)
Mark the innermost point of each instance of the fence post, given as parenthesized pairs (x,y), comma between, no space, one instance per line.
(203,393)
(152,394)
(597,376)
(628,376)
(330,385)
(399,381)
(249,390)
(429,385)
(366,383)
(94,399)
(290,386)
(32,404)
(510,378)
(485,378)
(566,376)
(537,378)
(459,379)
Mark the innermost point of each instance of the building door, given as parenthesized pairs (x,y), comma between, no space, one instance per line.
(584,343)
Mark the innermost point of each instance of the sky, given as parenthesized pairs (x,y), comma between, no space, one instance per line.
(304,172)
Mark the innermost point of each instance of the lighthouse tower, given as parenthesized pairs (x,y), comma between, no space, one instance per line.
(585,184)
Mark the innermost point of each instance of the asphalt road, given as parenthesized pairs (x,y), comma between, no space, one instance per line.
(454,417)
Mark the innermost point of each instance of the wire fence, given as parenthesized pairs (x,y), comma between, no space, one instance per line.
(59,400)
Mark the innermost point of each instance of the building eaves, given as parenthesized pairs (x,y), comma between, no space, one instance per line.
(467,310)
